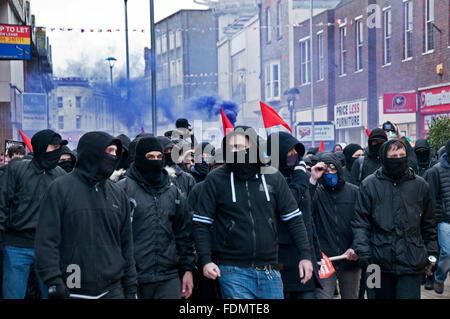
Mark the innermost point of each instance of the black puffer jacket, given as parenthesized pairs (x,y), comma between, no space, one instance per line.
(394,225)
(426,158)
(22,186)
(299,185)
(438,177)
(161,228)
(87,224)
(334,208)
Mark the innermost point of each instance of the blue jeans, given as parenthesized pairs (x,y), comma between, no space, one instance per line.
(248,283)
(16,269)
(443,265)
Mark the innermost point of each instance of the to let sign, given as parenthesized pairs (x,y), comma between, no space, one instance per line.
(15,41)
(348,115)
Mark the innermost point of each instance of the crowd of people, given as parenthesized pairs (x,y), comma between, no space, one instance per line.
(166,217)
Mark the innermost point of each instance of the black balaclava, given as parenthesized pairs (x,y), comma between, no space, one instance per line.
(93,162)
(247,169)
(422,150)
(286,142)
(40,141)
(68,165)
(132,147)
(151,170)
(376,134)
(203,166)
(393,167)
(166,144)
(349,150)
(123,164)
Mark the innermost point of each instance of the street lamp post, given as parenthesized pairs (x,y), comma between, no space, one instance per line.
(153,65)
(292,93)
(112,61)
(127,52)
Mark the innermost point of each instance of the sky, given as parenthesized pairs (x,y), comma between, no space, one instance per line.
(83,54)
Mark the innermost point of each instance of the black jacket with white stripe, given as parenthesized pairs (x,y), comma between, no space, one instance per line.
(235,220)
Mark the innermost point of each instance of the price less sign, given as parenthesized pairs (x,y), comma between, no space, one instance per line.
(348,115)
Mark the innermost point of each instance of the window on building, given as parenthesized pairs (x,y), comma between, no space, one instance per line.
(343,50)
(164,43)
(171,40)
(321,64)
(173,73)
(60,122)
(305,61)
(279,26)
(387,36)
(178,39)
(165,82)
(179,72)
(268,26)
(272,78)
(60,102)
(78,101)
(359,45)
(429,25)
(78,122)
(408,29)
(158,46)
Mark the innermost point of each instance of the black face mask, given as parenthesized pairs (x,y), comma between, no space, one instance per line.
(106,168)
(66,165)
(202,168)
(375,149)
(168,159)
(151,170)
(49,160)
(245,170)
(123,164)
(423,157)
(395,167)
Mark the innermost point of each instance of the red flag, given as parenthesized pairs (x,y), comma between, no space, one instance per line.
(321,147)
(227,126)
(26,140)
(326,267)
(367,132)
(271,118)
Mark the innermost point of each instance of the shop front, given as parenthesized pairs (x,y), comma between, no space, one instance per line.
(434,102)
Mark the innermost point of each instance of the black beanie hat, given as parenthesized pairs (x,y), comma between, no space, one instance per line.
(42,139)
(378,134)
(125,141)
(148,144)
(350,149)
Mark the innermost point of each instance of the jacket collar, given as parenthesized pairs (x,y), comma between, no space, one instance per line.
(380,174)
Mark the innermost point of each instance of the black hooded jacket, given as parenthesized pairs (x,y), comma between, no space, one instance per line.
(87,224)
(161,228)
(299,185)
(427,160)
(243,215)
(394,224)
(333,211)
(22,186)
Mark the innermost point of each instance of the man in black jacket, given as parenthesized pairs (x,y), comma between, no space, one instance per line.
(84,243)
(203,156)
(22,186)
(351,153)
(394,225)
(289,155)
(334,207)
(161,226)
(438,178)
(67,160)
(425,156)
(241,201)
(182,180)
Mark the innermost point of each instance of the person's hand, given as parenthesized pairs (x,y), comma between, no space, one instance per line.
(305,268)
(398,134)
(58,291)
(317,171)
(351,255)
(187,285)
(211,271)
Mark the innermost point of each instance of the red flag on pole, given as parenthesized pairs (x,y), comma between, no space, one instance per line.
(367,132)
(227,126)
(326,267)
(321,147)
(271,118)
(26,141)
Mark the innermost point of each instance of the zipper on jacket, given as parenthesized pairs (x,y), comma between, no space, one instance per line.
(253,222)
